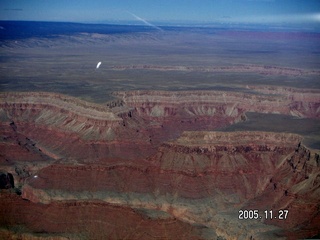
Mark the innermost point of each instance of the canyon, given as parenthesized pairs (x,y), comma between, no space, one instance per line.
(156,165)
(188,132)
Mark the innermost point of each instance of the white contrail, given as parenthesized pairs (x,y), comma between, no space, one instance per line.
(144,21)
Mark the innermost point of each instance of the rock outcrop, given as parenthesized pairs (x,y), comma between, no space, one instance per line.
(261,69)
(296,102)
(151,162)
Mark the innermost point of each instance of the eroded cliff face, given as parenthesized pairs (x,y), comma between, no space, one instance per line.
(155,157)
(203,178)
(210,103)
(87,220)
(261,69)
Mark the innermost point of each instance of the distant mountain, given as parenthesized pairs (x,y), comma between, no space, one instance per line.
(11,30)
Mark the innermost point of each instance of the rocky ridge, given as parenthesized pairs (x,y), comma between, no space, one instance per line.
(260,69)
(158,151)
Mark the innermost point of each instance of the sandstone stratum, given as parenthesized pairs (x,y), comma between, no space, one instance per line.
(154,165)
(261,69)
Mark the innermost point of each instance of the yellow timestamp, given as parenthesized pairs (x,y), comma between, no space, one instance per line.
(245,214)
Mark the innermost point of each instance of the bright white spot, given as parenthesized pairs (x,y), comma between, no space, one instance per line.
(35,176)
(98,65)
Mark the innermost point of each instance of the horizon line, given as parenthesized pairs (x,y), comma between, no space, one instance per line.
(203,24)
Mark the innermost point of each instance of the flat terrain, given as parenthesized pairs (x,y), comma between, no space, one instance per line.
(66,62)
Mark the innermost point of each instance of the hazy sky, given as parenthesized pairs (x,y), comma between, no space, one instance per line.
(240,11)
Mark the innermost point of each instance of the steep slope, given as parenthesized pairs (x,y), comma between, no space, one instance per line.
(154,154)
(203,177)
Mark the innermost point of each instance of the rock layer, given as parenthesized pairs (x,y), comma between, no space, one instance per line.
(265,70)
(154,155)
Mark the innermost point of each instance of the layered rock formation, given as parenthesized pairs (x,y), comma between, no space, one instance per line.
(265,70)
(151,159)
(290,101)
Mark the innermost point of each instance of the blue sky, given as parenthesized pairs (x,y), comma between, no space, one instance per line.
(197,11)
